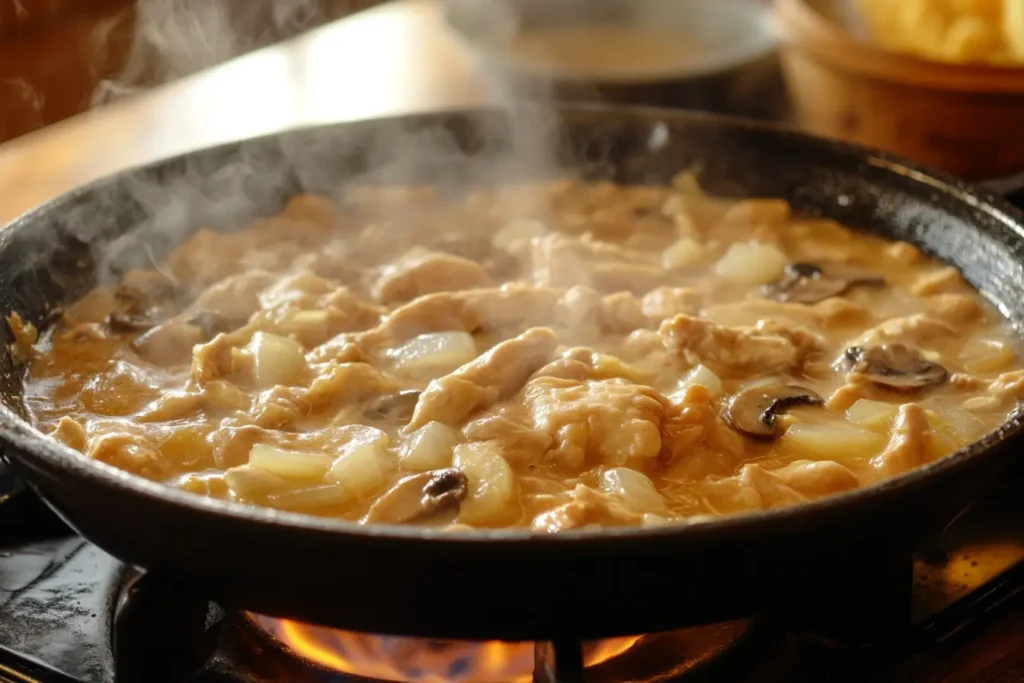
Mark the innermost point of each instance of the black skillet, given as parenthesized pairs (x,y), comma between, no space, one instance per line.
(503,584)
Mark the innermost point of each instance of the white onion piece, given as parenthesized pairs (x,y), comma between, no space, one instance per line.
(751,263)
(436,353)
(364,465)
(293,464)
(249,482)
(491,482)
(277,360)
(683,252)
(699,375)
(636,492)
(314,497)
(872,414)
(831,441)
(428,448)
(986,355)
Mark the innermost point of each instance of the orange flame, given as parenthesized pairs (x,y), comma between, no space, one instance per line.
(416,660)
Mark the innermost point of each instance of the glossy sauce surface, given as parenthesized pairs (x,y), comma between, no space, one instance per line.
(554,355)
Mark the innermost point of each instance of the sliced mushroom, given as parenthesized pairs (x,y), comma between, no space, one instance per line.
(754,410)
(809,283)
(894,366)
(397,406)
(430,496)
(144,305)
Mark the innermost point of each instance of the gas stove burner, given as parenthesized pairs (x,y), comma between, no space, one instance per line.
(417,660)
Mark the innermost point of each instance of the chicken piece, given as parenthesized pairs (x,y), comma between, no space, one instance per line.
(621,313)
(169,343)
(947,279)
(609,422)
(768,349)
(1008,386)
(904,253)
(489,378)
(214,360)
(416,275)
(125,450)
(839,312)
(334,385)
(914,330)
(588,507)
(520,443)
(25,336)
(563,261)
(236,297)
(493,311)
(752,311)
(665,302)
(910,444)
(697,442)
(635,278)
(581,363)
(70,433)
(772,491)
(814,478)
(955,309)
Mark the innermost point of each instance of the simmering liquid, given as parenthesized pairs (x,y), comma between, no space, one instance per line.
(552,356)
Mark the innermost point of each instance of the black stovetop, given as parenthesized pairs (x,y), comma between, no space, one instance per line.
(70,613)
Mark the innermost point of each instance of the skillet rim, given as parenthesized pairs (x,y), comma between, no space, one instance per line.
(30,443)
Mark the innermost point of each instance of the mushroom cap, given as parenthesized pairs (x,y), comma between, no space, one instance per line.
(421,497)
(808,283)
(899,367)
(753,411)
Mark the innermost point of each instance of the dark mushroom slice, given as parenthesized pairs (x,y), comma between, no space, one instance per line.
(809,283)
(899,367)
(428,497)
(397,406)
(754,410)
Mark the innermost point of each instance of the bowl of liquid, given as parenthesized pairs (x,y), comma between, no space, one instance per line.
(716,55)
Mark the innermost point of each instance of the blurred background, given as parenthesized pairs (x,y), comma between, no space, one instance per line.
(940,81)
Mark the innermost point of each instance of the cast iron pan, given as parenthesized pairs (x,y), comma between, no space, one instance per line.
(501,584)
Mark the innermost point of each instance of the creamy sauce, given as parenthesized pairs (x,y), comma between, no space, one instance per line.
(604,51)
(553,355)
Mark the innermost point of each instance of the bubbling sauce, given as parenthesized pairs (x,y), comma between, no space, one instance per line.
(552,355)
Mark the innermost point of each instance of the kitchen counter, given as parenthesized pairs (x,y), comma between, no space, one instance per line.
(392,59)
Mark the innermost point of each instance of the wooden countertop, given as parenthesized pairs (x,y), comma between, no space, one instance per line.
(396,58)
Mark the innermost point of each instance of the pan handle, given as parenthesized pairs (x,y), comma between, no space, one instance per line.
(1010,188)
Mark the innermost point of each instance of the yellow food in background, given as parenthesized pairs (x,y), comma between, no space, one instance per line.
(962,31)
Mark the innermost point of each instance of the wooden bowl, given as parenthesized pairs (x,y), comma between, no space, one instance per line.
(966,119)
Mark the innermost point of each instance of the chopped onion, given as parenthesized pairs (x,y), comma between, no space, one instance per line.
(699,375)
(986,355)
(311,328)
(681,253)
(364,464)
(634,489)
(249,482)
(315,497)
(289,463)
(428,448)
(872,414)
(276,360)
(831,441)
(751,263)
(491,482)
(518,231)
(434,354)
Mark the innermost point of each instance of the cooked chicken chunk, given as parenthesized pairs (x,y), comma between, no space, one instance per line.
(910,444)
(417,275)
(493,376)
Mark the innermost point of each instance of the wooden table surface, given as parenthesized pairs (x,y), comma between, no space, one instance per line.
(396,58)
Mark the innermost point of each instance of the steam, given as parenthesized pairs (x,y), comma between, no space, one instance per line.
(135,221)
